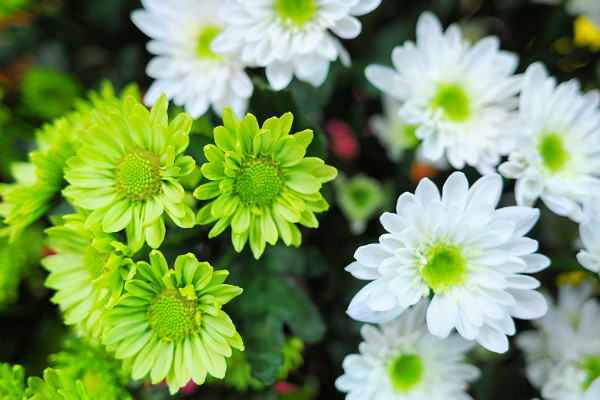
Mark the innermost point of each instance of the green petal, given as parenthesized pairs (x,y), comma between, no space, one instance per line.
(163,362)
(302,182)
(257,241)
(158,114)
(230,120)
(268,227)
(151,211)
(97,198)
(197,369)
(239,240)
(132,345)
(241,220)
(214,154)
(146,357)
(224,140)
(213,171)
(204,215)
(283,227)
(308,219)
(95,157)
(155,233)
(118,216)
(219,227)
(207,191)
(285,122)
(304,138)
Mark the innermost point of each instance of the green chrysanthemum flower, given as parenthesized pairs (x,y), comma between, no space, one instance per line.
(39,182)
(48,93)
(262,184)
(88,271)
(359,198)
(169,324)
(12,382)
(127,171)
(57,386)
(101,375)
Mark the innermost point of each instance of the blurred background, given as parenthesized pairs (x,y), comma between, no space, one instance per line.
(292,312)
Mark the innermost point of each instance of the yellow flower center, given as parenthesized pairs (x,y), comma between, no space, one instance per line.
(553,152)
(137,174)
(206,37)
(296,12)
(453,101)
(445,267)
(405,371)
(174,316)
(258,181)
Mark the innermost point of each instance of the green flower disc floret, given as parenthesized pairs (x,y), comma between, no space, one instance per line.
(88,271)
(101,375)
(12,382)
(127,171)
(169,323)
(56,385)
(261,183)
(39,182)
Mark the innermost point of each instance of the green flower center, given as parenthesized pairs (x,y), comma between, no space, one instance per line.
(446,266)
(206,37)
(552,151)
(297,12)
(405,371)
(174,316)
(258,181)
(592,367)
(453,101)
(94,261)
(137,174)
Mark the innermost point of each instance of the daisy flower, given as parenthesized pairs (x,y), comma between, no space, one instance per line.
(127,171)
(88,271)
(558,154)
(401,360)
(169,323)
(12,382)
(291,37)
(185,68)
(39,182)
(102,376)
(471,255)
(262,184)
(460,97)
(563,355)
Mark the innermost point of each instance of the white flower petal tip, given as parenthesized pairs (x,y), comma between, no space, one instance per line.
(458,246)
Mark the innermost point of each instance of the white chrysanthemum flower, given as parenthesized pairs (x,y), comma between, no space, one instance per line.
(397,136)
(464,250)
(185,68)
(291,37)
(401,360)
(462,97)
(557,157)
(563,355)
(589,257)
